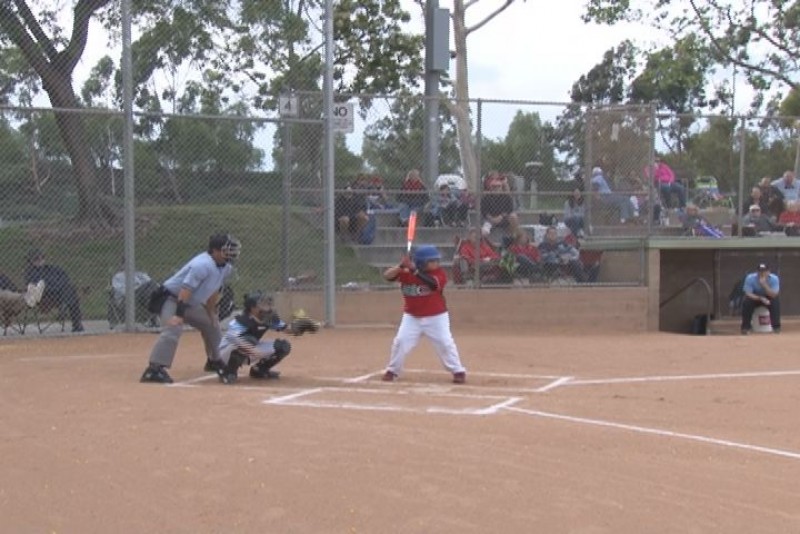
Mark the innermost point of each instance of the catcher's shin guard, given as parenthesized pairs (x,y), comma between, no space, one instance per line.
(262,369)
(230,372)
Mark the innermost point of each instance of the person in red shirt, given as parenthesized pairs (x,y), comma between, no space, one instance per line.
(424,313)
(527,255)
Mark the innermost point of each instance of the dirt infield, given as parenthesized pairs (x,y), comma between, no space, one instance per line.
(582,434)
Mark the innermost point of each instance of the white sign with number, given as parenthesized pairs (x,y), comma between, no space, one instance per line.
(343,120)
(288,106)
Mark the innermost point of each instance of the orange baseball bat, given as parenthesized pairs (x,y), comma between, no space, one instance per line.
(412,229)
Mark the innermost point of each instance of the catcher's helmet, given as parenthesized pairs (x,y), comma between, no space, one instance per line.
(424,254)
(229,245)
(257,298)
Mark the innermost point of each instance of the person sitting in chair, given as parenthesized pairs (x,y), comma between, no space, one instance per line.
(58,291)
(557,254)
(761,288)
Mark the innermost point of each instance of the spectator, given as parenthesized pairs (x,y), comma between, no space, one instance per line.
(664,178)
(609,199)
(790,219)
(485,257)
(640,201)
(557,254)
(497,205)
(350,210)
(7,284)
(58,289)
(377,199)
(575,213)
(447,208)
(694,224)
(787,186)
(761,288)
(756,221)
(771,197)
(413,196)
(527,255)
(757,196)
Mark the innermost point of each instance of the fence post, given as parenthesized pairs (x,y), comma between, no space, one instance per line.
(742,145)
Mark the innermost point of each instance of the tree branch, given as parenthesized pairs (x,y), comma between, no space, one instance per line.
(492,15)
(45,43)
(69,57)
(12,26)
(734,60)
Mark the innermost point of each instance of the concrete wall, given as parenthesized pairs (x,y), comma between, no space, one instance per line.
(562,309)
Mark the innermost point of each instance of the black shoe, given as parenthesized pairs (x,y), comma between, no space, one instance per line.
(157,374)
(263,374)
(776,329)
(212,366)
(77,328)
(227,377)
(745,331)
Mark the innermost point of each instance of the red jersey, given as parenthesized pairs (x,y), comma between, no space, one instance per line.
(789,217)
(420,299)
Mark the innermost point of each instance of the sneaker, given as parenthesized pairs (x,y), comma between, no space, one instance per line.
(776,330)
(77,328)
(157,374)
(389,376)
(745,331)
(34,294)
(459,378)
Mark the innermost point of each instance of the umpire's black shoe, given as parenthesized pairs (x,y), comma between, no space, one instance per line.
(212,366)
(157,374)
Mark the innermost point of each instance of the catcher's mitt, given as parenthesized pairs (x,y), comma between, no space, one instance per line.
(301,324)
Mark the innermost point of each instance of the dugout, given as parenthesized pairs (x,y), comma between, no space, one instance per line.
(681,268)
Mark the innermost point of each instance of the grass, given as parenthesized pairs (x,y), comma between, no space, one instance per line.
(167,237)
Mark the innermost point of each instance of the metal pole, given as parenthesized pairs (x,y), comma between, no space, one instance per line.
(287,164)
(650,177)
(127,159)
(431,130)
(742,144)
(797,152)
(328,171)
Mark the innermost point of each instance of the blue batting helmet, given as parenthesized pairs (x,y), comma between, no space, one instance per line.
(424,254)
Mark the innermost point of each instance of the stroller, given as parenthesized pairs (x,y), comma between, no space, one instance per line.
(707,194)
(144,286)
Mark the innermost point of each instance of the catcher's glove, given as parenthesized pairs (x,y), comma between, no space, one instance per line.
(301,323)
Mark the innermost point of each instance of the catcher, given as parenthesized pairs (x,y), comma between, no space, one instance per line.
(242,342)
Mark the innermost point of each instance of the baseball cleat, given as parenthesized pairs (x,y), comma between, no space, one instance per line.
(389,376)
(157,374)
(459,378)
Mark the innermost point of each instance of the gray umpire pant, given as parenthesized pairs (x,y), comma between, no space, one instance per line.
(197,316)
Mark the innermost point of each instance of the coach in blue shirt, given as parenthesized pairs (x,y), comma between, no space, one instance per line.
(761,288)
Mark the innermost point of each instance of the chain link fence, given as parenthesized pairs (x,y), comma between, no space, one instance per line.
(536,166)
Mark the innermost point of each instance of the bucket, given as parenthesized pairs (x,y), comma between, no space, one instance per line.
(761,321)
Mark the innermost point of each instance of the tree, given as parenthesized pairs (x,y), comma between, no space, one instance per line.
(459,105)
(606,84)
(393,145)
(237,44)
(525,141)
(761,37)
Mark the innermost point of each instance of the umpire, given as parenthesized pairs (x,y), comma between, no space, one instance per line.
(191,296)
(761,288)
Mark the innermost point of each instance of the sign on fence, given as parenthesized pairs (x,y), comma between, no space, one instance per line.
(343,120)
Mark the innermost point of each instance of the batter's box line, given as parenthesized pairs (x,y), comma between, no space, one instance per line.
(658,432)
(293,400)
(365,377)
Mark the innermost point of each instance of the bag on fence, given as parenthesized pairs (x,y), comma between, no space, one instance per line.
(157,299)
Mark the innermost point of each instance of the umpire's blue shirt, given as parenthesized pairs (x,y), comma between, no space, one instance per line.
(202,276)
(751,284)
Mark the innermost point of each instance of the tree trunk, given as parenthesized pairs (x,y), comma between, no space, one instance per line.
(460,108)
(91,208)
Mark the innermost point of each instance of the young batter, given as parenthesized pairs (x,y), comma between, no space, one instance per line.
(425,313)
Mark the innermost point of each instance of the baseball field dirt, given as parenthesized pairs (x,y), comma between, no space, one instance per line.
(655,433)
